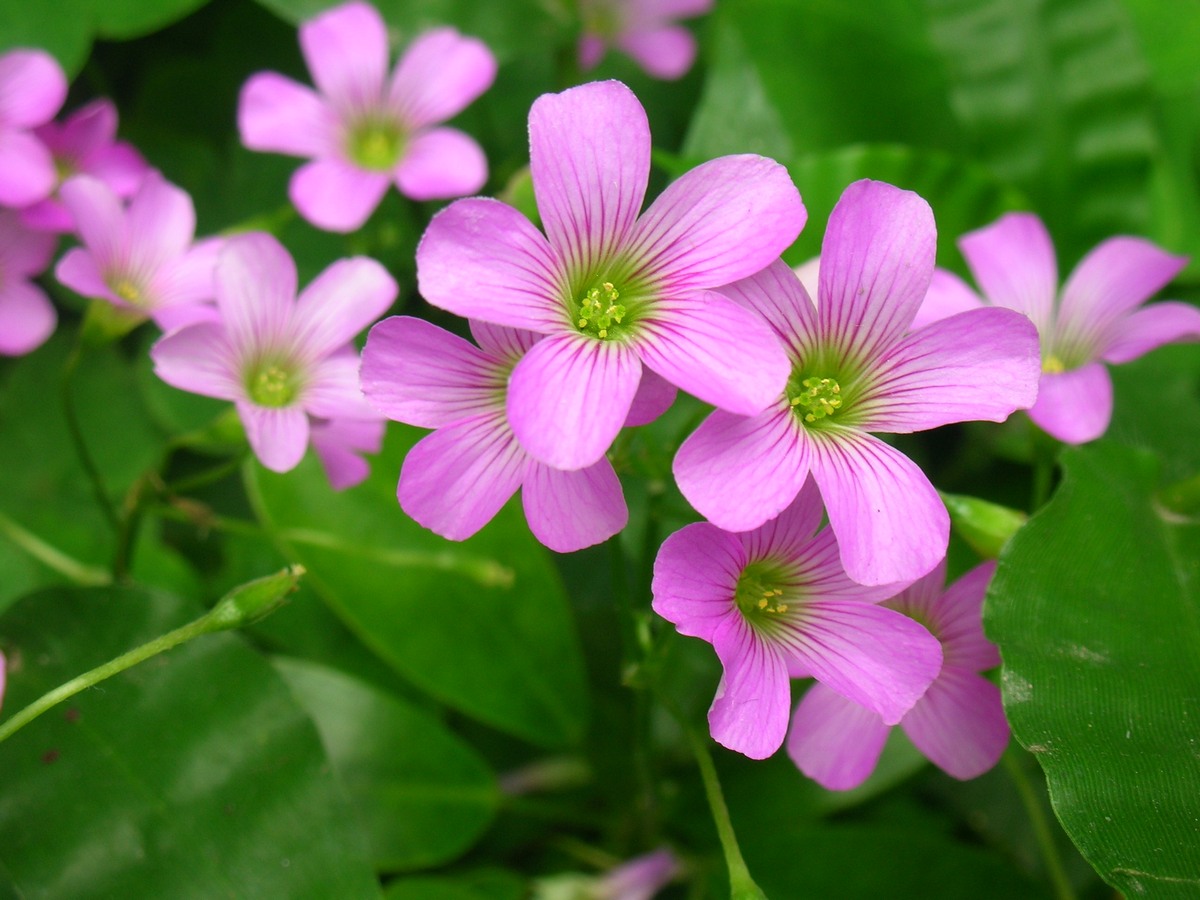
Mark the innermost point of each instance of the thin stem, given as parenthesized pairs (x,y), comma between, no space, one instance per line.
(76,432)
(1041,826)
(1045,459)
(53,558)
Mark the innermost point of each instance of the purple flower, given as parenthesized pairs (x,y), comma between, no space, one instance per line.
(339,443)
(279,358)
(27,317)
(643,29)
(32,88)
(456,479)
(1095,320)
(615,291)
(775,603)
(365,130)
(959,723)
(140,259)
(856,369)
(86,144)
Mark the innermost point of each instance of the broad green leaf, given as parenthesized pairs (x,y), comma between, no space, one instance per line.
(485,884)
(1156,406)
(481,625)
(193,775)
(422,793)
(1094,607)
(124,19)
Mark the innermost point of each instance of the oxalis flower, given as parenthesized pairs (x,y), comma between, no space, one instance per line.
(775,603)
(340,445)
(643,29)
(613,291)
(32,89)
(1095,320)
(364,130)
(856,369)
(959,722)
(456,479)
(282,360)
(27,316)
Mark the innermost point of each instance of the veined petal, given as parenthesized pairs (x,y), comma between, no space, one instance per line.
(27,317)
(279,115)
(256,290)
(441,163)
(695,576)
(1074,406)
(666,52)
(876,264)
(835,741)
(455,480)
(568,511)
(340,302)
(32,88)
(439,75)
(750,712)
(653,398)
(502,343)
(346,49)
(778,296)
(889,521)
(277,435)
(948,296)
(569,396)
(589,152)
(716,350)
(1013,263)
(740,471)
(957,618)
(198,359)
(483,260)
(980,364)
(99,218)
(333,391)
(162,222)
(335,195)
(1149,328)
(792,536)
(723,221)
(191,277)
(78,270)
(959,723)
(339,443)
(27,172)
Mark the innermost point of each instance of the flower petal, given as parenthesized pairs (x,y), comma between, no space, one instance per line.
(32,88)
(340,302)
(256,290)
(27,172)
(889,521)
(78,270)
(339,442)
(277,435)
(333,391)
(1013,263)
(948,296)
(791,536)
(455,480)
(439,75)
(441,163)
(346,49)
(1149,328)
(191,277)
(279,115)
(959,723)
(568,511)
(956,616)
(99,219)
(120,166)
(23,252)
(87,130)
(591,49)
(162,222)
(778,296)
(27,317)
(198,359)
(336,196)
(695,576)
(569,396)
(750,712)
(1074,406)
(666,52)
(835,741)
(654,396)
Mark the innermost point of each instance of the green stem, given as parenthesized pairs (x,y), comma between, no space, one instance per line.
(1045,459)
(53,558)
(81,449)
(1041,826)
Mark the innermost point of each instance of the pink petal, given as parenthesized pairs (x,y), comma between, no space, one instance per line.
(162,222)
(27,317)
(340,302)
(791,536)
(277,435)
(346,49)
(890,522)
(834,741)
(23,252)
(678,9)
(724,220)
(1074,406)
(332,390)
(1013,263)
(740,471)
(957,618)
(654,396)
(569,396)
(1146,329)
(198,359)
(484,260)
(959,724)
(336,196)
(504,344)
(695,576)
(441,163)
(78,271)
(191,277)
(86,131)
(876,265)
(27,172)
(279,115)
(948,296)
(1118,275)
(256,290)
(455,480)
(99,218)
(439,75)
(750,712)
(32,88)
(591,49)
(779,297)
(568,511)
(119,166)
(180,315)
(666,52)
(339,442)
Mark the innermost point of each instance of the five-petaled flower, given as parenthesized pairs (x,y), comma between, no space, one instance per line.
(643,29)
(614,291)
(856,369)
(959,722)
(364,130)
(1096,319)
(27,316)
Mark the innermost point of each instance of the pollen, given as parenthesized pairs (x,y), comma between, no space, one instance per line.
(759,594)
(1052,365)
(272,385)
(815,398)
(127,290)
(376,145)
(599,310)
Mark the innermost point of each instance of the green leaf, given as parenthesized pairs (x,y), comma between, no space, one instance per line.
(1094,607)
(423,794)
(484,884)
(192,775)
(481,625)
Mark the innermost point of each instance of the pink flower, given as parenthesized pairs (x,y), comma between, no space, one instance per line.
(856,369)
(32,88)
(86,144)
(142,258)
(644,29)
(959,723)
(456,479)
(3,676)
(339,443)
(27,317)
(775,603)
(282,360)
(614,291)
(365,130)
(641,878)
(1095,320)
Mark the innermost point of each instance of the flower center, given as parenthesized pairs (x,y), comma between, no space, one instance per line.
(1052,365)
(599,313)
(813,398)
(272,384)
(760,593)
(125,289)
(375,145)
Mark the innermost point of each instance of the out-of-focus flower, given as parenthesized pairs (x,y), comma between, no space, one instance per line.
(32,89)
(615,291)
(85,143)
(959,723)
(643,29)
(279,358)
(1096,319)
(364,130)
(775,603)
(456,479)
(340,444)
(27,316)
(139,259)
(856,369)
(641,878)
